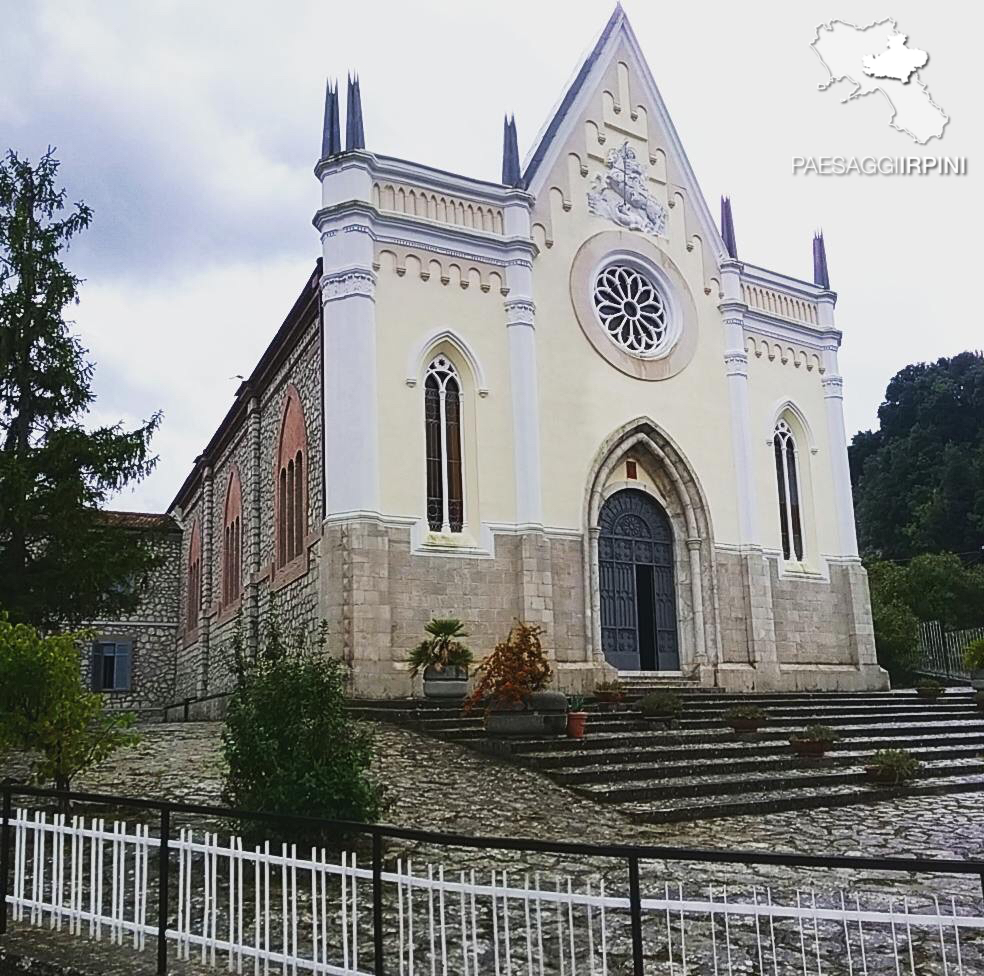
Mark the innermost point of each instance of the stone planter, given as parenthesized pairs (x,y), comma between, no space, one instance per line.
(544,713)
(977,679)
(575,724)
(451,683)
(810,747)
(929,694)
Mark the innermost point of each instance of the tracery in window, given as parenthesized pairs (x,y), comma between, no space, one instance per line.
(787,479)
(442,425)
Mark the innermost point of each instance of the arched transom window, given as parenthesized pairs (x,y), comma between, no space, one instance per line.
(291,483)
(442,422)
(232,541)
(787,478)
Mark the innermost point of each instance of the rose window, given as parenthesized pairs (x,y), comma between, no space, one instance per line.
(631,310)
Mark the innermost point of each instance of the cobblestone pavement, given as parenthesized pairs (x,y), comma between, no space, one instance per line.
(441,786)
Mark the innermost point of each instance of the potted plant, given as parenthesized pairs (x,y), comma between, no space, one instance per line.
(895,766)
(511,685)
(974,659)
(576,717)
(746,718)
(443,658)
(814,740)
(609,693)
(664,705)
(929,689)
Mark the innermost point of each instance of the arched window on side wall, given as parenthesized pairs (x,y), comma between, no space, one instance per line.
(442,425)
(787,479)
(194,578)
(232,540)
(291,483)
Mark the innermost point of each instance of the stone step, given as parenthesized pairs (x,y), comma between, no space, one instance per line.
(832,795)
(715,764)
(612,758)
(599,722)
(652,738)
(727,785)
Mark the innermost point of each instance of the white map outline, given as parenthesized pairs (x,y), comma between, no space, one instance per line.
(913,81)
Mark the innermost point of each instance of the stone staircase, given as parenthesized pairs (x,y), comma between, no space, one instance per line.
(700,768)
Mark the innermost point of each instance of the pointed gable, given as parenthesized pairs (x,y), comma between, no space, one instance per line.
(613,100)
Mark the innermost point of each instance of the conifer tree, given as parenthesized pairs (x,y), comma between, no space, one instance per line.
(61,560)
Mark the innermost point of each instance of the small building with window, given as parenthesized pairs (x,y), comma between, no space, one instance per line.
(563,395)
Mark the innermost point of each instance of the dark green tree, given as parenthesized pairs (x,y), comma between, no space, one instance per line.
(60,561)
(919,479)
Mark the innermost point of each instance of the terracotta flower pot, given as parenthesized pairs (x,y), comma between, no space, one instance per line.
(810,747)
(746,724)
(575,724)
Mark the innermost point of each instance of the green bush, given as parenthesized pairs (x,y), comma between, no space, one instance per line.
(289,743)
(899,765)
(742,712)
(45,709)
(663,702)
(974,655)
(819,733)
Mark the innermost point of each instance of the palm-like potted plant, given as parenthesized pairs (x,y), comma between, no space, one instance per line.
(929,689)
(576,717)
(814,740)
(895,766)
(974,659)
(511,685)
(443,658)
(746,718)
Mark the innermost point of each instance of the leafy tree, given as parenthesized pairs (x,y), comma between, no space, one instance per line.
(47,712)
(919,479)
(896,626)
(289,743)
(60,562)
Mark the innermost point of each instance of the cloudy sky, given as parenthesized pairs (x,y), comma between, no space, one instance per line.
(192,128)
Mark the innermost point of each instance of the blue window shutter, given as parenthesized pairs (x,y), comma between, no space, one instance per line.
(124,651)
(97,666)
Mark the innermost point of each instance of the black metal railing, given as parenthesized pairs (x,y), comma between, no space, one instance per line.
(630,854)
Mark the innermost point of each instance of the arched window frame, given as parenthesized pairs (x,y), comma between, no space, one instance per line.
(194,579)
(789,485)
(290,485)
(232,540)
(443,405)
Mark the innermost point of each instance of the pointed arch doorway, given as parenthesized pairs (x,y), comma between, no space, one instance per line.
(637,592)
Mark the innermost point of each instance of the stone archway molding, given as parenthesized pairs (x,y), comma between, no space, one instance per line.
(646,436)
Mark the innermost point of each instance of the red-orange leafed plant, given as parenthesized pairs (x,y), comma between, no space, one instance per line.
(513,671)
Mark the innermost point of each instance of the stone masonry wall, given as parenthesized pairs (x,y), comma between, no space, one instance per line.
(152,628)
(204,662)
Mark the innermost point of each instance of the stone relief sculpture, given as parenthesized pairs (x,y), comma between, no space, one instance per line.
(621,194)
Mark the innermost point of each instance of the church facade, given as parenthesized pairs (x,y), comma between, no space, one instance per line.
(562,397)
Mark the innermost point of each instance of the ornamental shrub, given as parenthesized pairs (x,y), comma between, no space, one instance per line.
(974,655)
(47,712)
(514,670)
(289,744)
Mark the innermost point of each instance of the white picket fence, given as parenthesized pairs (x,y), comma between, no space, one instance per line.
(941,651)
(263,910)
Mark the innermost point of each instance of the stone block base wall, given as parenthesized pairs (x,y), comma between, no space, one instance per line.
(788,632)
(377,595)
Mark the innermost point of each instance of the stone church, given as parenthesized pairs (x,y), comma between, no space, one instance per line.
(563,397)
